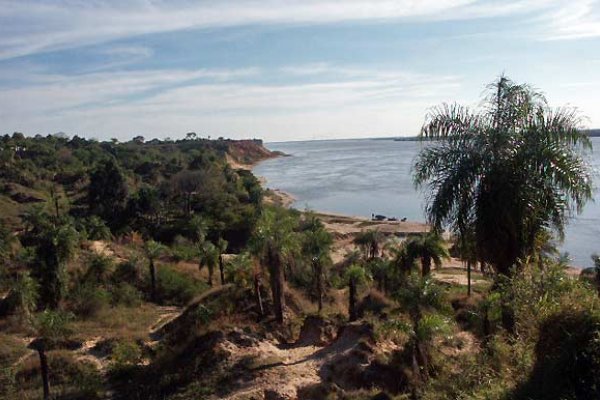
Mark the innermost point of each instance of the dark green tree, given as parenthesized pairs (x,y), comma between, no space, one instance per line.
(153,250)
(316,245)
(107,192)
(273,241)
(427,248)
(508,170)
(56,243)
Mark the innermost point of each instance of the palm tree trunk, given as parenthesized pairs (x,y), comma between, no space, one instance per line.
(257,294)
(426,266)
(221,269)
(277,282)
(211,269)
(469,278)
(352,301)
(152,281)
(44,371)
(319,272)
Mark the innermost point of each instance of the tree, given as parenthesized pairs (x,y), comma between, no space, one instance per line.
(274,239)
(6,241)
(369,241)
(51,327)
(355,275)
(508,170)
(427,248)
(56,244)
(222,248)
(153,250)
(419,296)
(107,191)
(209,255)
(316,246)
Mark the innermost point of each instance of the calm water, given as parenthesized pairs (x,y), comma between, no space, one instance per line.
(361,177)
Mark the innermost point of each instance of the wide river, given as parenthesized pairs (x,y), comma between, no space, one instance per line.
(361,177)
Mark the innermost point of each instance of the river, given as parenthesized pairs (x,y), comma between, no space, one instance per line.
(366,176)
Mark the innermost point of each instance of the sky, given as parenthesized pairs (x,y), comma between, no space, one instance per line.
(282,70)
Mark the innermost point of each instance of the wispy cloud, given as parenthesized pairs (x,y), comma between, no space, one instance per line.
(189,98)
(30,26)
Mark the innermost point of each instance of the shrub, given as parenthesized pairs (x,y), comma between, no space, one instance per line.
(184,252)
(87,300)
(126,353)
(127,271)
(71,378)
(99,267)
(175,287)
(125,294)
(567,362)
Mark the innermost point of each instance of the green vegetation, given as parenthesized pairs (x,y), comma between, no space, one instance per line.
(108,255)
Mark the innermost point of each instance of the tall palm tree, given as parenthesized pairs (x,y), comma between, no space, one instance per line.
(427,248)
(273,241)
(222,247)
(317,245)
(508,170)
(153,250)
(370,242)
(51,327)
(420,297)
(56,244)
(355,275)
(209,256)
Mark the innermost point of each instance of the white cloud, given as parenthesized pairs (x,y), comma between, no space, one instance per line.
(159,102)
(30,26)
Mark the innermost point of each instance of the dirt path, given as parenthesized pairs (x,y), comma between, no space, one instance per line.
(277,370)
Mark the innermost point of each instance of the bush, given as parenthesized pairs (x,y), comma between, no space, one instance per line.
(175,287)
(70,378)
(126,353)
(567,362)
(99,267)
(87,300)
(125,294)
(94,228)
(184,252)
(128,272)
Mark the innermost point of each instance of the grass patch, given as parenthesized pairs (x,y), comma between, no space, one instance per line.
(119,322)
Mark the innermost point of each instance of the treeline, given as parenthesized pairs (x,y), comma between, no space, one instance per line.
(151,187)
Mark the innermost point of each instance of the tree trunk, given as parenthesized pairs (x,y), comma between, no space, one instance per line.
(258,296)
(44,371)
(277,282)
(352,301)
(211,269)
(425,266)
(153,281)
(222,269)
(319,272)
(469,278)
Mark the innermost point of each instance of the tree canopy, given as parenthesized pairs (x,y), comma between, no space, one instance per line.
(509,170)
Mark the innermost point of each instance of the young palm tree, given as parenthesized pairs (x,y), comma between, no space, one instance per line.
(273,241)
(508,170)
(56,243)
(242,271)
(51,327)
(355,276)
(153,250)
(209,256)
(370,242)
(317,245)
(427,248)
(222,247)
(419,297)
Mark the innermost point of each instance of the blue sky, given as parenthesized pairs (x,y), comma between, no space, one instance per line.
(282,70)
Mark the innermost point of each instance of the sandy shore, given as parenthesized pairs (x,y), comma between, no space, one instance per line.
(345,227)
